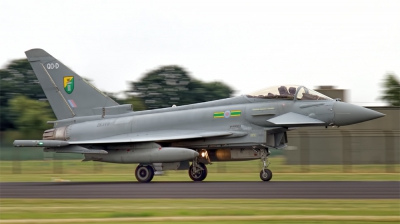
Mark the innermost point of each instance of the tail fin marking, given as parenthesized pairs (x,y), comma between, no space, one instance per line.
(68,94)
(58,91)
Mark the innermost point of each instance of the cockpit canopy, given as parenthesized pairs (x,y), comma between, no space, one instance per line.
(288,92)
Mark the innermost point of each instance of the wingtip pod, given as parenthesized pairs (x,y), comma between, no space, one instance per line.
(39,143)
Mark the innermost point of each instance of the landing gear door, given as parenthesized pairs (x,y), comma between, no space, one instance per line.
(276,140)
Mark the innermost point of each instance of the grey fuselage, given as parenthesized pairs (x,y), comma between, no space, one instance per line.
(251,128)
(200,117)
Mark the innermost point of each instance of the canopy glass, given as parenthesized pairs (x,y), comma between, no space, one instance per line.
(288,92)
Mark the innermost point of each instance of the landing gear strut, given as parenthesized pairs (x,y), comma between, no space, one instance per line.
(144,174)
(197,171)
(265,173)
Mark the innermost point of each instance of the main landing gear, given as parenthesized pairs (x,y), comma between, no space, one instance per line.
(265,173)
(197,171)
(144,174)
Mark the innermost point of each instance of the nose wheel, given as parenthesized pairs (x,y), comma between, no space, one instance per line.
(144,174)
(265,173)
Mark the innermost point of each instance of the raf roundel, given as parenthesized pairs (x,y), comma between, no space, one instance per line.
(227,114)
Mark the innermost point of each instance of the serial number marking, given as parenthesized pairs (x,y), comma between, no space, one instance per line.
(269,108)
(52,66)
(103,124)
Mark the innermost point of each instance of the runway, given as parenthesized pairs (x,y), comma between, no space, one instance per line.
(259,189)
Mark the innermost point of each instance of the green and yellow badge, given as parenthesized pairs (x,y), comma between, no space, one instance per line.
(69,84)
(228,114)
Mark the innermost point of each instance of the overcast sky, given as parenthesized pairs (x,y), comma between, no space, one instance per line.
(247,44)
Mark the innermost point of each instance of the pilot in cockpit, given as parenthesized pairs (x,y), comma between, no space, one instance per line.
(294,92)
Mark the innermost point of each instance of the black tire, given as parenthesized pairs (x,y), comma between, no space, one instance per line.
(152,174)
(144,174)
(266,176)
(200,175)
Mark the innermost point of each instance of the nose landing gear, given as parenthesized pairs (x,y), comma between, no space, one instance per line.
(265,173)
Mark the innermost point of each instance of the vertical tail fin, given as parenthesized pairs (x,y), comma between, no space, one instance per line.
(68,93)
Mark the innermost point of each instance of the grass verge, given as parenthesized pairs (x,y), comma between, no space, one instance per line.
(192,210)
(224,171)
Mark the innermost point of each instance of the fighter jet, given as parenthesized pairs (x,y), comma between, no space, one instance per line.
(183,137)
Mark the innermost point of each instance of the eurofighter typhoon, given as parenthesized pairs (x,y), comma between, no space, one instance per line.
(183,137)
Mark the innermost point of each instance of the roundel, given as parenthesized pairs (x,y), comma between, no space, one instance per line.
(227,114)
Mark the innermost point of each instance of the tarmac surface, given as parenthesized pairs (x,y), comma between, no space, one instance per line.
(259,189)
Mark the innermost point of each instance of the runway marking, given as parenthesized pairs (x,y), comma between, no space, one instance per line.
(214,218)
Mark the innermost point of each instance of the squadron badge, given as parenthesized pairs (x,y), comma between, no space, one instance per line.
(69,84)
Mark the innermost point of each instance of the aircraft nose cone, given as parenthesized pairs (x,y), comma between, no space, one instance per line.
(346,114)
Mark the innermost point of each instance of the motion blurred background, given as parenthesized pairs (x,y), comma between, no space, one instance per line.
(156,54)
(369,147)
(336,47)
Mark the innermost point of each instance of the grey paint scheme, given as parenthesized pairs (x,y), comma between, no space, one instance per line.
(51,72)
(40,143)
(75,149)
(144,153)
(100,124)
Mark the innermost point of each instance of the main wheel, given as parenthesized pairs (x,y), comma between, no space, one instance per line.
(199,175)
(266,175)
(144,174)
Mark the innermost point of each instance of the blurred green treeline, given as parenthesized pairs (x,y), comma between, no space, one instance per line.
(391,87)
